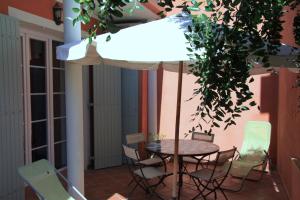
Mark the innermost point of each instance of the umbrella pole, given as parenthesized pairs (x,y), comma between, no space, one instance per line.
(177,123)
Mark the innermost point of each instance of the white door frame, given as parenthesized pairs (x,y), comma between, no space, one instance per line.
(30,32)
(27,34)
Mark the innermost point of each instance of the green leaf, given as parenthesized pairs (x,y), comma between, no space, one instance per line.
(193,8)
(232,122)
(168,9)
(251,80)
(252,103)
(208,9)
(236,2)
(236,115)
(161,4)
(216,125)
(76,10)
(108,38)
(117,13)
(244,108)
(227,120)
(218,118)
(189,49)
(86,19)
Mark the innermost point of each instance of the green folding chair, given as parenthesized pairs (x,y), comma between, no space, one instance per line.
(254,152)
(42,177)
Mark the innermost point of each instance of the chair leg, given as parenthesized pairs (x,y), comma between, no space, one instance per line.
(215,194)
(198,195)
(139,182)
(185,168)
(130,182)
(240,186)
(151,188)
(201,191)
(131,191)
(246,177)
(222,191)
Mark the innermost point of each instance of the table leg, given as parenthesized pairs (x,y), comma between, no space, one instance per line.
(180,172)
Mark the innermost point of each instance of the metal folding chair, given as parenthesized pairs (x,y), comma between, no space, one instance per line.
(141,174)
(209,180)
(195,159)
(137,138)
(152,160)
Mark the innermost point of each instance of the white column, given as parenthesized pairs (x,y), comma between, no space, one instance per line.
(152,101)
(74,104)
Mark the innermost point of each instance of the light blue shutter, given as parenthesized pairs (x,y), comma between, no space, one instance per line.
(11,110)
(130,102)
(107,116)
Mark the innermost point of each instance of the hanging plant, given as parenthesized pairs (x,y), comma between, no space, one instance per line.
(229,36)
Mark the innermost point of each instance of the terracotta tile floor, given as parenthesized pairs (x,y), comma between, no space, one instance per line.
(100,184)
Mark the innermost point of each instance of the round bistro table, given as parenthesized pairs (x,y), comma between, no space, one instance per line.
(186,148)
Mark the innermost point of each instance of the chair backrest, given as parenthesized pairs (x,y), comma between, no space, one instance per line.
(256,139)
(131,153)
(135,138)
(223,161)
(41,176)
(225,156)
(203,137)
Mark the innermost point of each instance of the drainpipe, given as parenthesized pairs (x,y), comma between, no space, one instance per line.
(74,103)
(152,102)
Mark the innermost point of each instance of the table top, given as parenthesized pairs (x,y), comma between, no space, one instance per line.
(186,147)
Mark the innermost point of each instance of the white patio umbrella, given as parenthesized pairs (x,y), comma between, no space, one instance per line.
(143,47)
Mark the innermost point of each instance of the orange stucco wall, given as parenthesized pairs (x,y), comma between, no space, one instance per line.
(288,120)
(44,8)
(288,131)
(40,8)
(265,94)
(287,33)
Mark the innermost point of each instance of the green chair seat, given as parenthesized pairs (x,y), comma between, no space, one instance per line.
(41,176)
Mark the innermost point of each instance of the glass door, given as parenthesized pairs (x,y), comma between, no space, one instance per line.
(38,100)
(59,109)
(44,100)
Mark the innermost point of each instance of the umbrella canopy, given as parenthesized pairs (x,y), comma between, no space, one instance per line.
(141,47)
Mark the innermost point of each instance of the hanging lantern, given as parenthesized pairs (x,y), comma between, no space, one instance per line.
(57,14)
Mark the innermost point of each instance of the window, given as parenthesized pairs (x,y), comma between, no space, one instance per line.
(44,100)
(59,109)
